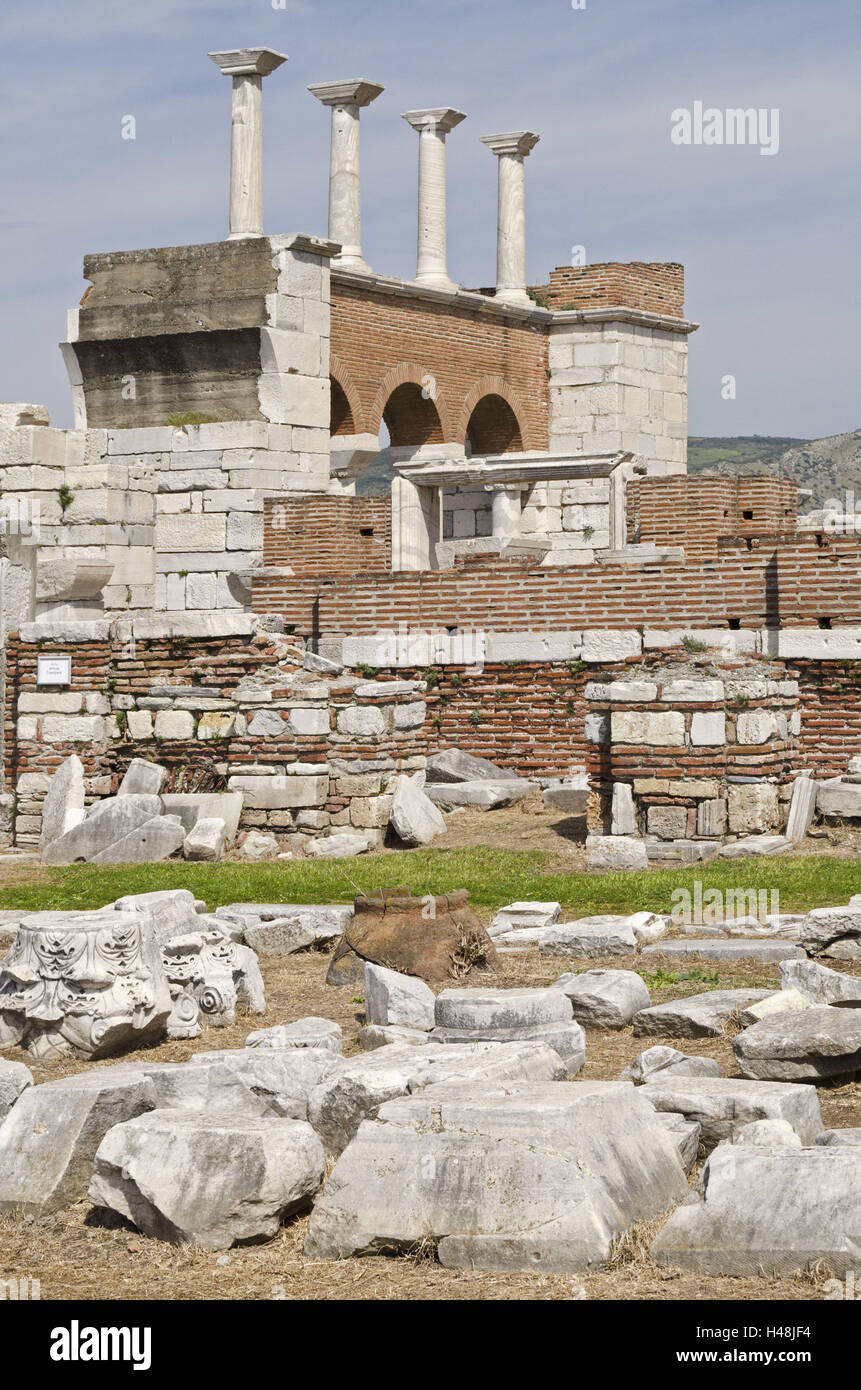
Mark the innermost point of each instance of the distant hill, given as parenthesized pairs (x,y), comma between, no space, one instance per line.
(828,467)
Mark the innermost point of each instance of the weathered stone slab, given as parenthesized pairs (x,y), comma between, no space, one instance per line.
(840,1138)
(604,998)
(142,778)
(699,1016)
(504,1177)
(720,948)
(826,925)
(660,1060)
(342,845)
(258,846)
(838,798)
(782,1001)
(271,1081)
(192,807)
(767,845)
(590,937)
(566,1039)
(523,916)
(278,792)
(361,1084)
(63,807)
(49,1138)
(484,795)
(392,998)
(375,1035)
(768,1212)
(722,1104)
(570,798)
(452,765)
(615,853)
(156,839)
(14,1080)
(802,809)
(500,1008)
(207,1180)
(819,1042)
(685,1134)
(108,822)
(819,984)
(414,817)
(308,1032)
(206,842)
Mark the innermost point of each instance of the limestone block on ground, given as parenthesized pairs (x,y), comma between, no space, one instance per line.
(205,1179)
(504,1177)
(720,948)
(660,1060)
(375,1035)
(392,998)
(765,845)
(14,1080)
(84,984)
(359,1087)
(142,778)
(107,822)
(838,798)
(156,839)
(826,925)
(483,795)
(516,942)
(342,845)
(566,1039)
(257,846)
(206,842)
(414,817)
(50,1137)
(572,798)
(63,807)
(767,1134)
(279,928)
(802,809)
(699,1016)
(452,765)
(840,1138)
(685,1134)
(192,807)
(768,1212)
(604,935)
(817,983)
(500,1008)
(615,853)
(170,911)
(278,1080)
(722,1104)
(604,998)
(308,1032)
(819,1042)
(524,916)
(782,1001)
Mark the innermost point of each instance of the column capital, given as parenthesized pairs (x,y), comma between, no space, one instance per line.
(245,62)
(352,93)
(519,142)
(439,118)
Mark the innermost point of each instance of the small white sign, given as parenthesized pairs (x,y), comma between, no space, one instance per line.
(54,670)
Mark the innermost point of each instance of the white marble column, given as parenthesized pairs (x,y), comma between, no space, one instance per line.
(345,200)
(247,67)
(432,127)
(511,150)
(506,507)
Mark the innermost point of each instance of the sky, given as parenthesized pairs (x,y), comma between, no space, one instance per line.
(769,242)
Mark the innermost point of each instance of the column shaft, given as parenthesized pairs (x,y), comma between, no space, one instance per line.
(246,158)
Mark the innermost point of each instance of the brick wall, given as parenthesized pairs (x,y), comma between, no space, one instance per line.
(806,580)
(697,511)
(457,355)
(329,535)
(656,287)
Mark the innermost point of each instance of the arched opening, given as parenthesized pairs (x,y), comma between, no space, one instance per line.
(411,417)
(493,428)
(341,418)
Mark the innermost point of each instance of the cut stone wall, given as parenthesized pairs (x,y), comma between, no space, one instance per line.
(222,706)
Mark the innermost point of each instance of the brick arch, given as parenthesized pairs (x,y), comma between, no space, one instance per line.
(498,386)
(406,374)
(341,378)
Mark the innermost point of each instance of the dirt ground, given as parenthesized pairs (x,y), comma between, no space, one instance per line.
(74,1257)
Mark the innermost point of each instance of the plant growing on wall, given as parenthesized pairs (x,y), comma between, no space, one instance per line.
(65,496)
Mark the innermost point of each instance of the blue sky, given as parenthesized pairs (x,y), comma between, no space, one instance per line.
(769,244)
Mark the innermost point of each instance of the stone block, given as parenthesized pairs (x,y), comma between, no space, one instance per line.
(708,729)
(658,730)
(753,807)
(278,791)
(174,724)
